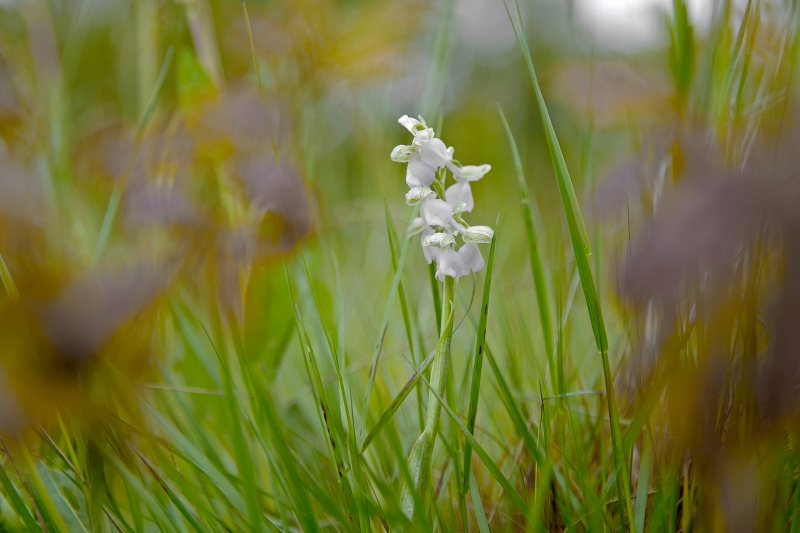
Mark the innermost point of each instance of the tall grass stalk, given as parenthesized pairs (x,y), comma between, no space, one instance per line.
(582,250)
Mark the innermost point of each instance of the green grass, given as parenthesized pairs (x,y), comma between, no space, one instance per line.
(299,409)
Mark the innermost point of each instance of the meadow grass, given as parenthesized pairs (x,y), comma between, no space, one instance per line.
(303,418)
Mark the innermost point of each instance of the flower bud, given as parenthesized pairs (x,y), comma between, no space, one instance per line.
(439,239)
(473,172)
(417,194)
(479,234)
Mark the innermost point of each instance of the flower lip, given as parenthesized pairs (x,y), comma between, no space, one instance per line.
(417,194)
(479,234)
(472,172)
(402,152)
(439,239)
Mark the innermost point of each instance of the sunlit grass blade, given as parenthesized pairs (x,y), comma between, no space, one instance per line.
(477,368)
(48,506)
(477,504)
(582,251)
(644,483)
(10,492)
(373,369)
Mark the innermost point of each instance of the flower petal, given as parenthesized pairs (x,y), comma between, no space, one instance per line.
(434,152)
(411,124)
(471,256)
(460,193)
(436,212)
(473,172)
(419,173)
(449,263)
(428,251)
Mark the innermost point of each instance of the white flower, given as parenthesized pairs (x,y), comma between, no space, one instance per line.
(435,152)
(461,191)
(471,257)
(435,212)
(479,234)
(418,194)
(419,173)
(449,263)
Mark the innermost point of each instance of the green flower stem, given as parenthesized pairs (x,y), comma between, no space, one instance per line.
(419,460)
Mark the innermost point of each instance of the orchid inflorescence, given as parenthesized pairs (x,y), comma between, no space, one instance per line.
(440,220)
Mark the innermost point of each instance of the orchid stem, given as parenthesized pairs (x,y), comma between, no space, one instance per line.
(420,458)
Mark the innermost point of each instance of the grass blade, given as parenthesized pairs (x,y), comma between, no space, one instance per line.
(373,369)
(477,368)
(397,402)
(582,251)
(537,264)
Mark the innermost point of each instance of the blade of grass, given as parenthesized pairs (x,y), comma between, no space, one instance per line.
(334,447)
(537,264)
(644,482)
(397,402)
(385,323)
(582,251)
(477,368)
(116,194)
(477,504)
(403,306)
(10,492)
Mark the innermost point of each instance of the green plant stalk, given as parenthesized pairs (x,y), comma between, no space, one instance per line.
(419,460)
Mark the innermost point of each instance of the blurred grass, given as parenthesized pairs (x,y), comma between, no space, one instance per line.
(295,411)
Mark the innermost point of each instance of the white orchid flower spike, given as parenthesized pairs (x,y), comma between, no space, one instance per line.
(440,219)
